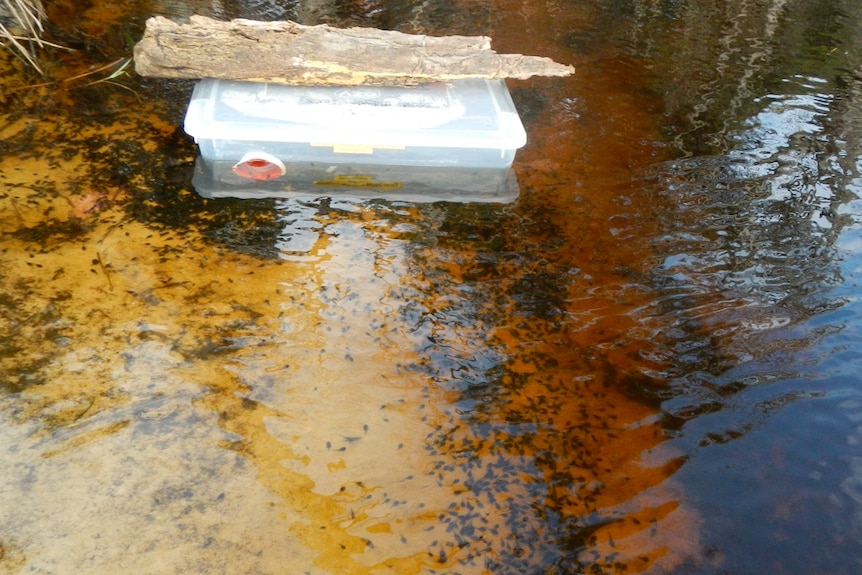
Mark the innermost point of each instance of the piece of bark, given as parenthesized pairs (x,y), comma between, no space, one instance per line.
(289,53)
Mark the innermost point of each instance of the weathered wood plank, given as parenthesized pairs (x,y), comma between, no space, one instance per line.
(290,53)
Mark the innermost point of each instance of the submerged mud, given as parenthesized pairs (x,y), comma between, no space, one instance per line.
(198,385)
(329,385)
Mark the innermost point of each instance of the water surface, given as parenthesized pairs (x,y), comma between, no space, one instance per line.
(647,363)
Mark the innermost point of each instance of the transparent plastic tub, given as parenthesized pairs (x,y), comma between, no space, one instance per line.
(464,123)
(415,184)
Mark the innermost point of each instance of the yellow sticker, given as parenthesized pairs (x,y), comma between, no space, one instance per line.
(354,148)
(358,181)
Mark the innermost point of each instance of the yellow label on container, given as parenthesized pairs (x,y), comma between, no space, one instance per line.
(359,182)
(354,148)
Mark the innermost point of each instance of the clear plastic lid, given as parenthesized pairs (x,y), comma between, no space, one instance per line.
(472,113)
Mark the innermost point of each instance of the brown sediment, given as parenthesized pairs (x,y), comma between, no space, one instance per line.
(425,388)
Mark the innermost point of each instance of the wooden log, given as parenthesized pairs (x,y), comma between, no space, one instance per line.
(289,53)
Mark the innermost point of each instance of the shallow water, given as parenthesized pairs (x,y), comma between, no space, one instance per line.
(647,363)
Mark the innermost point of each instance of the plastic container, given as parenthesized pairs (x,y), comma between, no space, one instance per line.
(257,128)
(416,184)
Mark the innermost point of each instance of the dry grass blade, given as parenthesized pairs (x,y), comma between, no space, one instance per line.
(21,28)
(121,65)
